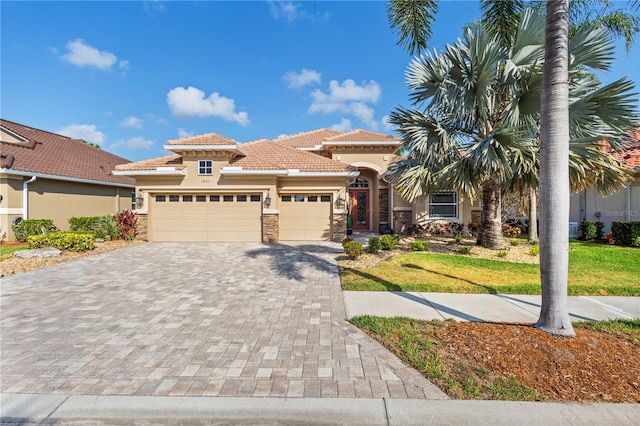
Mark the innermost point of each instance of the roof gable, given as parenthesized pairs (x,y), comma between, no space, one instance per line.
(310,139)
(206,139)
(48,153)
(360,135)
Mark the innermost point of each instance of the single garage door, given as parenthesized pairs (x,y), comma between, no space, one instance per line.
(305,217)
(205,217)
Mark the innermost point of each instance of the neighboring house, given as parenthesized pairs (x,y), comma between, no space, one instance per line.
(300,187)
(624,205)
(48,176)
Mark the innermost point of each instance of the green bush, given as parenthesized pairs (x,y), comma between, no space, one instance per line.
(374,245)
(535,250)
(502,253)
(418,246)
(32,227)
(104,227)
(353,249)
(626,233)
(464,250)
(389,241)
(74,241)
(515,243)
(591,230)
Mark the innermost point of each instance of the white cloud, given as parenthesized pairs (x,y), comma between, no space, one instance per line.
(87,132)
(123,64)
(305,77)
(132,122)
(154,6)
(343,126)
(136,142)
(286,10)
(191,102)
(350,98)
(182,133)
(81,54)
(386,126)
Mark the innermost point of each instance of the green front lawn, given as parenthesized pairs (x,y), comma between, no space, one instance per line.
(594,269)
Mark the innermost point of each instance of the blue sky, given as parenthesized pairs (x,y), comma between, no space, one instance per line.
(132,75)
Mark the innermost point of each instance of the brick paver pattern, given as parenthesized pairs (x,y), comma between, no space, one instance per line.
(194,319)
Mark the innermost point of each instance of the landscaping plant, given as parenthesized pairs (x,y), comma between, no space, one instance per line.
(127,223)
(29,227)
(352,248)
(418,246)
(374,245)
(389,241)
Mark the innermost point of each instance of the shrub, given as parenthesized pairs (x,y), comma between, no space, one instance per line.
(515,243)
(474,228)
(458,239)
(74,241)
(101,226)
(389,241)
(418,246)
(346,240)
(353,249)
(533,242)
(464,250)
(33,227)
(502,253)
(591,230)
(127,222)
(511,231)
(374,245)
(626,233)
(535,250)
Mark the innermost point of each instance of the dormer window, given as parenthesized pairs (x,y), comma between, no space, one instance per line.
(205,167)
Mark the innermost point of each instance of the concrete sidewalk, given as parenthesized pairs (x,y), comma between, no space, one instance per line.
(126,410)
(483,307)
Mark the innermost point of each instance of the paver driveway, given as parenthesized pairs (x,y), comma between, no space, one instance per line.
(193,319)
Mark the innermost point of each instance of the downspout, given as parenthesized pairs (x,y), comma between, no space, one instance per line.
(391,191)
(25,198)
(628,196)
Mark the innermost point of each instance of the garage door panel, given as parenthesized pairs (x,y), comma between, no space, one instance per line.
(305,220)
(205,220)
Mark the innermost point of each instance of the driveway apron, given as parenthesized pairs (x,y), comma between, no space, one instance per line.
(209,319)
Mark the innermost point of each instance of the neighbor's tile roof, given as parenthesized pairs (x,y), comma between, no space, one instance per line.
(207,139)
(360,135)
(173,160)
(308,139)
(269,155)
(52,154)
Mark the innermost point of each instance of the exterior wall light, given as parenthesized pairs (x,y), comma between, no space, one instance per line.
(340,202)
(267,201)
(139,200)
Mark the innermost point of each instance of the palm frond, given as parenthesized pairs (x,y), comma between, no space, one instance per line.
(411,20)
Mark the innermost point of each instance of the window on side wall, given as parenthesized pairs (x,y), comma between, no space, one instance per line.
(205,167)
(443,205)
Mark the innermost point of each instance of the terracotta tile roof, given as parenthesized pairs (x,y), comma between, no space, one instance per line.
(270,155)
(308,139)
(207,139)
(52,154)
(173,160)
(631,155)
(360,135)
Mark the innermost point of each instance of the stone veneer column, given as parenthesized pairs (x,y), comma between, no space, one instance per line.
(270,228)
(142,227)
(339,226)
(383,204)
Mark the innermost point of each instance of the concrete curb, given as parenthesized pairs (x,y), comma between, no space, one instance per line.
(60,409)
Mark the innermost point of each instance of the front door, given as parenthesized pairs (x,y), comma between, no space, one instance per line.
(360,208)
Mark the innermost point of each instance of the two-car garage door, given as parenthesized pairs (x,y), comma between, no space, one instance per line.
(206,217)
(237,217)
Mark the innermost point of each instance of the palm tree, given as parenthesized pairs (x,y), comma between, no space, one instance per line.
(479,127)
(554,173)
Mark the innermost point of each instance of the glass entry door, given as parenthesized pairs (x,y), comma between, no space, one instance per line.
(360,208)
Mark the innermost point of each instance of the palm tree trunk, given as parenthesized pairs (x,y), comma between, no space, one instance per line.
(554,173)
(533,215)
(490,235)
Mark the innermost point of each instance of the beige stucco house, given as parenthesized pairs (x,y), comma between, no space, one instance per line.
(44,175)
(300,187)
(624,205)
